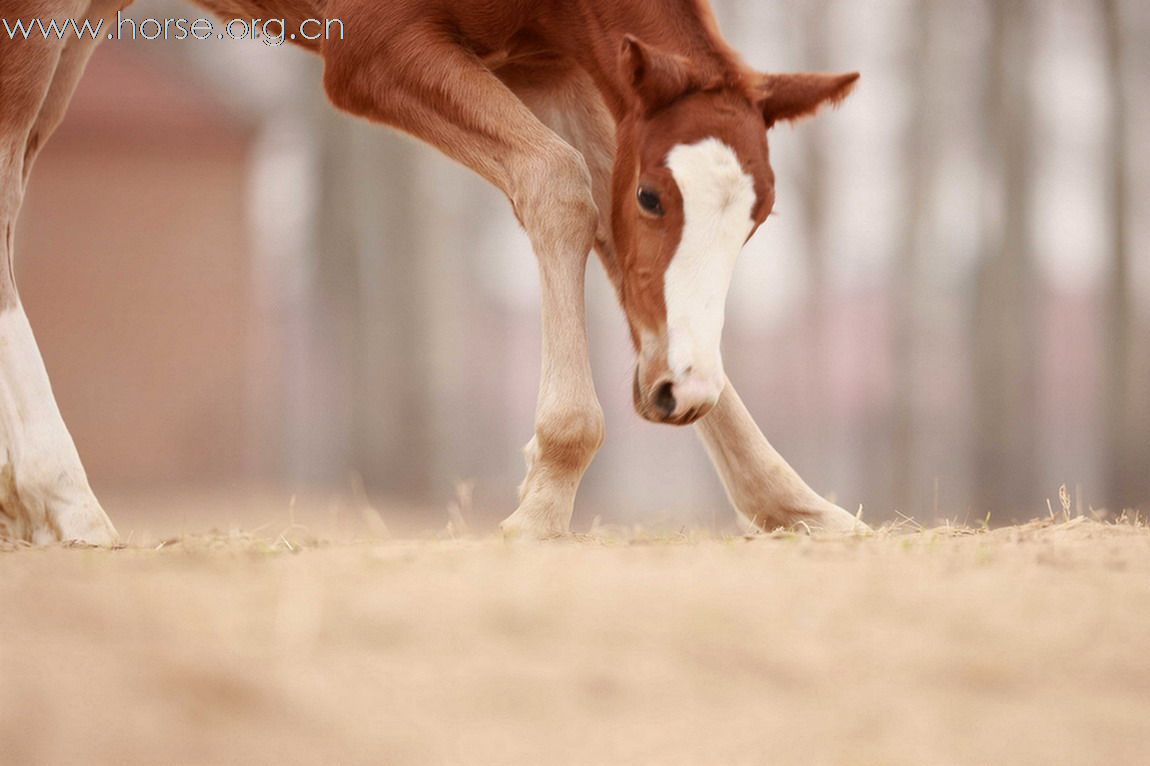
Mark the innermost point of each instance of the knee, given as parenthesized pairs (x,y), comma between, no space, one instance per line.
(553,199)
(570,438)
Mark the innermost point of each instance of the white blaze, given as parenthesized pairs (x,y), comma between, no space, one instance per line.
(718,200)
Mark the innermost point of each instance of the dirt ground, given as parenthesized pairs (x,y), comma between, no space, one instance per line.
(1016,646)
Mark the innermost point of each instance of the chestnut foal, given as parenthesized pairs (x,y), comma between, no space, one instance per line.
(625,126)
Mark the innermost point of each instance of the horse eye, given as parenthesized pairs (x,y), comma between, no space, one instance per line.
(650,202)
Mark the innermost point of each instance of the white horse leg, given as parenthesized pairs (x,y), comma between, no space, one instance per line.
(568,418)
(44,492)
(759,482)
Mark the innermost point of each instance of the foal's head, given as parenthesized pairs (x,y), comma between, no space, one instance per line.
(693,181)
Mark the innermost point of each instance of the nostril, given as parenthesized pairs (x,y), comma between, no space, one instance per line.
(665,398)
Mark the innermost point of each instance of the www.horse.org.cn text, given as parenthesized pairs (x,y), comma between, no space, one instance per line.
(271,32)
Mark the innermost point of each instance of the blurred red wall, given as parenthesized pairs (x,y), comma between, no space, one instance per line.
(134,266)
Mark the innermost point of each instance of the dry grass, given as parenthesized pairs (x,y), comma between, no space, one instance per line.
(946,646)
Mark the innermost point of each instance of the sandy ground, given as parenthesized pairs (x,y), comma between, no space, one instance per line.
(1022,645)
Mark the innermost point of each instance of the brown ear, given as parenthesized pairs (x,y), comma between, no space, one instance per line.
(657,77)
(795,96)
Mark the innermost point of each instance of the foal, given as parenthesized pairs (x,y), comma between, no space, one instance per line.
(625,126)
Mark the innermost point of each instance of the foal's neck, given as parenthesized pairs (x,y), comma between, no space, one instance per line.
(595,31)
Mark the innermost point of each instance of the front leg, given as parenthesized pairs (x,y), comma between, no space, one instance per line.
(568,418)
(416,76)
(44,493)
(760,484)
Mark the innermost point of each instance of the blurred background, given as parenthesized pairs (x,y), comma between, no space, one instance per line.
(250,303)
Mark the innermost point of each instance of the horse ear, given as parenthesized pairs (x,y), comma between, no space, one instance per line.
(656,77)
(795,96)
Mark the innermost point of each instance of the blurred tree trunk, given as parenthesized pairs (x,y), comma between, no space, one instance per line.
(391,426)
(374,378)
(1005,342)
(919,170)
(1127,456)
(324,411)
(813,189)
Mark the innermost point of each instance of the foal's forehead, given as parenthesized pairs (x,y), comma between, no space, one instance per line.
(714,177)
(731,120)
(718,195)
(710,167)
(725,136)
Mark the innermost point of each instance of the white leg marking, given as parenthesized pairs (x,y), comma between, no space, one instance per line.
(761,485)
(44,491)
(568,418)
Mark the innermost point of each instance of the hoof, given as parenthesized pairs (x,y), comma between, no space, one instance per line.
(826,518)
(835,520)
(80,519)
(81,522)
(96,531)
(529,523)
